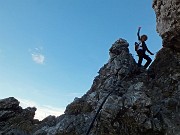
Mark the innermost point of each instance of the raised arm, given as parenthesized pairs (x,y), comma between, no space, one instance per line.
(138,33)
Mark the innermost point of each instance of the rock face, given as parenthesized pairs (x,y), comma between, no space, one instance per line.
(168,22)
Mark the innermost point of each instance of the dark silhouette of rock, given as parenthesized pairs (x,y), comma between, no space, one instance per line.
(13,119)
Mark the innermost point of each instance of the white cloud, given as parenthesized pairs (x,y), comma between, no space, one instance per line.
(42,110)
(38,58)
(37,55)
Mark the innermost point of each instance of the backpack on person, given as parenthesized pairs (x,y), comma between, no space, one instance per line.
(136,46)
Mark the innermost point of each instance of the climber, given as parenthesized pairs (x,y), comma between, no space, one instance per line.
(141,49)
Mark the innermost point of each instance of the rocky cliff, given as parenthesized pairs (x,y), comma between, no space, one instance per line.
(168,22)
(122,100)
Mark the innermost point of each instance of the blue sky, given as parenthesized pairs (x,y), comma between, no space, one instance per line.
(51,50)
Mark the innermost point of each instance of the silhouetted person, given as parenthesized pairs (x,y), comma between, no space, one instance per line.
(141,49)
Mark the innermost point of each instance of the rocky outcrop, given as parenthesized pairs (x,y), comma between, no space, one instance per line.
(122,100)
(14,119)
(79,114)
(168,22)
(165,90)
(138,102)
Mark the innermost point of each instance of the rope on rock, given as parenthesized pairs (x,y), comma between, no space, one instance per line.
(100,107)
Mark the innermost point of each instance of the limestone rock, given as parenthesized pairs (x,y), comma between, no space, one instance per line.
(168,22)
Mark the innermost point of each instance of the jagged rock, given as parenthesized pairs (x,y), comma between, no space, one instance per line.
(14,119)
(166,92)
(168,22)
(126,97)
(78,106)
(9,103)
(139,103)
(80,113)
(8,108)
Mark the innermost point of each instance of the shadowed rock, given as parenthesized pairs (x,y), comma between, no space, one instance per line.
(15,120)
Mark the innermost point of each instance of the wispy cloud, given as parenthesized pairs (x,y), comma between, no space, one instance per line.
(42,110)
(37,55)
(38,58)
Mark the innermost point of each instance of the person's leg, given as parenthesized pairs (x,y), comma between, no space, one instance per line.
(140,55)
(140,61)
(148,61)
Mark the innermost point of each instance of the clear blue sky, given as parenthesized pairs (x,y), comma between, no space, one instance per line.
(51,50)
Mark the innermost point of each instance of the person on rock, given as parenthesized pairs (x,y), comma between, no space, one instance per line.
(141,49)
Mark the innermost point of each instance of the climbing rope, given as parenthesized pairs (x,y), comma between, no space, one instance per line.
(100,107)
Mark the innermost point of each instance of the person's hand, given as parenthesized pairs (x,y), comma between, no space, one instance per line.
(139,28)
